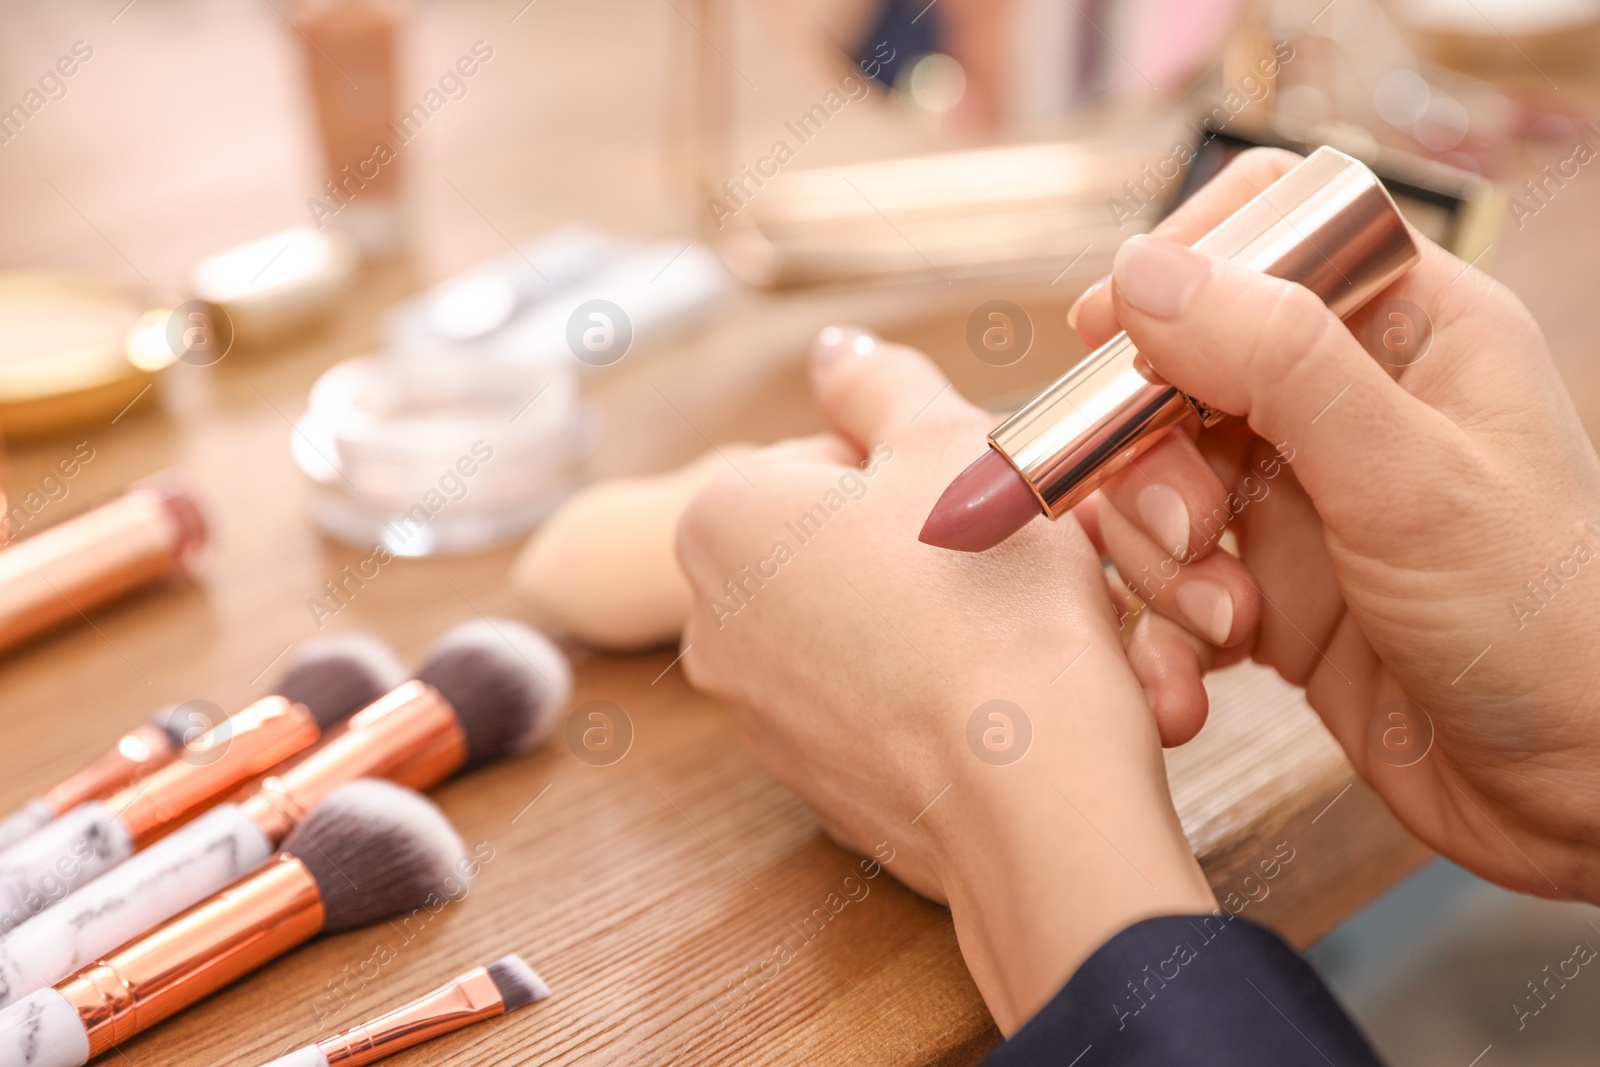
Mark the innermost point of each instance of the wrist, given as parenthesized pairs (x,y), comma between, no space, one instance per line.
(1044,860)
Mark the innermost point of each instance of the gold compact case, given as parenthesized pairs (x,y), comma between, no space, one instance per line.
(74,348)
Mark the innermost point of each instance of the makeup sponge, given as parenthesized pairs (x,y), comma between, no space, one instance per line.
(602,568)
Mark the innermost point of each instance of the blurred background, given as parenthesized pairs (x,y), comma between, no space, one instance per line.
(312,253)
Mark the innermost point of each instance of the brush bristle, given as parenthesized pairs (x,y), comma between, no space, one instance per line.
(376,850)
(338,676)
(518,983)
(175,721)
(506,681)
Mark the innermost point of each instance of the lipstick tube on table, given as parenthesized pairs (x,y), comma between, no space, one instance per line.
(54,576)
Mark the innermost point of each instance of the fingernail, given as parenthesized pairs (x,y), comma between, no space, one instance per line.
(1209,607)
(1157,276)
(834,341)
(1166,517)
(1072,312)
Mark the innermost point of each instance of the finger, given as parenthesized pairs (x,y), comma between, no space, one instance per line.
(826,448)
(1270,350)
(1088,516)
(1213,598)
(1094,316)
(1170,664)
(1174,496)
(871,390)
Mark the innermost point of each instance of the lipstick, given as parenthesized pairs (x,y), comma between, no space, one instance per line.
(1328,224)
(55,576)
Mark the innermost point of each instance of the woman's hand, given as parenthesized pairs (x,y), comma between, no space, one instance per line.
(1417,510)
(975,717)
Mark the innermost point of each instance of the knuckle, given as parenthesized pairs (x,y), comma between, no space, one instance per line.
(702,517)
(871,383)
(1264,163)
(694,663)
(894,382)
(1293,324)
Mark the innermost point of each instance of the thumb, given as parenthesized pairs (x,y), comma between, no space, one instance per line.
(1271,351)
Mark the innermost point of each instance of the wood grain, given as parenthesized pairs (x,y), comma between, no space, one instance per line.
(648,892)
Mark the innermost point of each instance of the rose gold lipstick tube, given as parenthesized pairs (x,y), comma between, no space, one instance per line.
(195,953)
(137,753)
(462,1002)
(1328,224)
(59,574)
(410,736)
(245,745)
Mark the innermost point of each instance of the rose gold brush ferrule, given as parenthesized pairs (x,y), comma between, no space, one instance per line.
(410,736)
(195,953)
(235,751)
(141,751)
(1328,224)
(454,1005)
(53,576)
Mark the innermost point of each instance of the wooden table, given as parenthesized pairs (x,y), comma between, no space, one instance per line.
(646,891)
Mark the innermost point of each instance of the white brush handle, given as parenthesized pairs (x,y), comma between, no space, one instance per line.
(43,1031)
(46,865)
(310,1056)
(209,854)
(24,821)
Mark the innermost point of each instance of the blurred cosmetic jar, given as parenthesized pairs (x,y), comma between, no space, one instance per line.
(440,457)
(278,284)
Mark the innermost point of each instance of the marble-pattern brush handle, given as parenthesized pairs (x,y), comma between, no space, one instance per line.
(24,821)
(43,1030)
(45,866)
(310,1056)
(207,855)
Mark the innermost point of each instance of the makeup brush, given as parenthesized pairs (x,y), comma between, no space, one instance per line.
(482,993)
(370,851)
(326,682)
(146,748)
(496,688)
(320,665)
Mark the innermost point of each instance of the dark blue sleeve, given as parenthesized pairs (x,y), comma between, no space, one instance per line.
(1193,990)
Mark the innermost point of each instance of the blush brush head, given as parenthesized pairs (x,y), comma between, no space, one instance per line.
(176,721)
(506,681)
(376,849)
(337,676)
